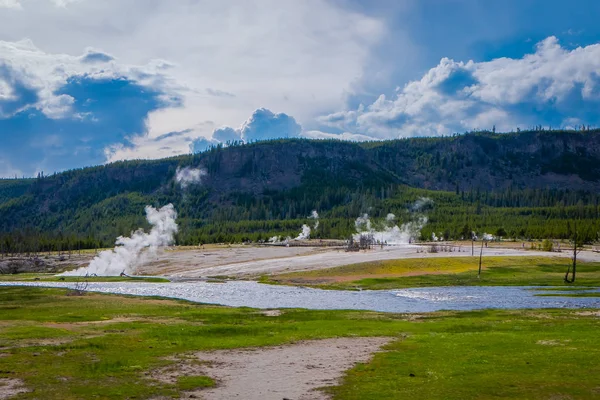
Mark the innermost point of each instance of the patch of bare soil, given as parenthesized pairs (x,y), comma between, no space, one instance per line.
(553,342)
(189,366)
(271,313)
(76,325)
(47,342)
(10,387)
(292,371)
(588,313)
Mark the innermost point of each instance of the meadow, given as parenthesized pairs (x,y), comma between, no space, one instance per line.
(445,271)
(110,347)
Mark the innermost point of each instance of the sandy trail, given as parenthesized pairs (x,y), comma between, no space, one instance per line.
(251,262)
(284,372)
(11,387)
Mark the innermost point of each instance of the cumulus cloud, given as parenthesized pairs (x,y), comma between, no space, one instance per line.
(201,144)
(263,124)
(27,66)
(94,56)
(14,4)
(15,94)
(231,58)
(351,137)
(226,134)
(553,86)
(63,3)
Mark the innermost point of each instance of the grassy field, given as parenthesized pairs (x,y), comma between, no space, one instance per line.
(107,347)
(450,271)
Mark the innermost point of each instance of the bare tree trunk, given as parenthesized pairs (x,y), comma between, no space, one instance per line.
(574,262)
(480,257)
(576,250)
(573,265)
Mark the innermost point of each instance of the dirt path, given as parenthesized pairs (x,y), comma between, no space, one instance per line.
(284,372)
(11,387)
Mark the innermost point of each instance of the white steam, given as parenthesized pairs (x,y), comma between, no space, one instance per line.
(305,233)
(314,215)
(132,251)
(189,176)
(363,224)
(488,237)
(422,203)
(388,231)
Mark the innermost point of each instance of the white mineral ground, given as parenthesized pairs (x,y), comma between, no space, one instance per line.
(293,371)
(254,261)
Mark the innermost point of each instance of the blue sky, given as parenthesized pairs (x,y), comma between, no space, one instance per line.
(84,82)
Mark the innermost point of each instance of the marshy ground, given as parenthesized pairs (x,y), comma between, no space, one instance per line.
(54,346)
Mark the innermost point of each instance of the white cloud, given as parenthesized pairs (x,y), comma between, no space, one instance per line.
(202,144)
(225,59)
(143,147)
(227,134)
(352,137)
(63,3)
(551,86)
(14,4)
(46,73)
(264,125)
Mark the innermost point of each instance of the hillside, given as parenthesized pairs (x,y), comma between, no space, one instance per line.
(267,187)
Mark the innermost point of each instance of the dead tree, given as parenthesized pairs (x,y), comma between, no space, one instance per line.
(480,258)
(577,246)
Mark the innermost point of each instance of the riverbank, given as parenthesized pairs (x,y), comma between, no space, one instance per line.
(447,271)
(55,346)
(254,261)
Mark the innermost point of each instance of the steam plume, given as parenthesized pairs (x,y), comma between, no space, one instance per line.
(189,176)
(305,233)
(389,232)
(131,251)
(315,215)
(421,204)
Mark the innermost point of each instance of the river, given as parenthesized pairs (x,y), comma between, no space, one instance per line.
(256,295)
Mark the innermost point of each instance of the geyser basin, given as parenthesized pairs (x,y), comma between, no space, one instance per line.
(256,295)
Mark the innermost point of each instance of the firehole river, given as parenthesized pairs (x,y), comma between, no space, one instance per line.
(256,295)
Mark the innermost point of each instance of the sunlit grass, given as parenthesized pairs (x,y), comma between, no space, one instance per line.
(106,347)
(444,271)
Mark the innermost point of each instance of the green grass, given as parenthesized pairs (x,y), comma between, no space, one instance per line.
(32,277)
(106,346)
(486,355)
(194,382)
(449,271)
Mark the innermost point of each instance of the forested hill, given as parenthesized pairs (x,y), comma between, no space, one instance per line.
(283,180)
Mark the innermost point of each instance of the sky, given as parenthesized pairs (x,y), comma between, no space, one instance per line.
(85,82)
